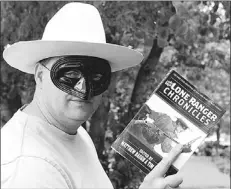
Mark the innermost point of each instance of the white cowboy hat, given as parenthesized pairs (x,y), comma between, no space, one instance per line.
(76,29)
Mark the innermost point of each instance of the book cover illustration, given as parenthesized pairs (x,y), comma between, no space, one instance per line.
(175,113)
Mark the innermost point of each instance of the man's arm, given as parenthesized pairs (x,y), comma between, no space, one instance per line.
(32,172)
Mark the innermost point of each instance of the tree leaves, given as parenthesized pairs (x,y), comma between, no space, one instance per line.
(190,35)
(163,33)
(162,42)
(182,23)
(174,22)
(182,29)
(181,9)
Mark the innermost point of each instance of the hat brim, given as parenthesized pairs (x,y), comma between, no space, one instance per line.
(25,54)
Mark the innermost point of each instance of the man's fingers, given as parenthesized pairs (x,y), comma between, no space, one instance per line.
(173,180)
(163,166)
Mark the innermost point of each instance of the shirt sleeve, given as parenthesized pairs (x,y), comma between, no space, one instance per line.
(33,172)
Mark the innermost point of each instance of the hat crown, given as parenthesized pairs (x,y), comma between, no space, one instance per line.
(75,22)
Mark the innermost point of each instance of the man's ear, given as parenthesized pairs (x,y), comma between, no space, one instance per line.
(38,75)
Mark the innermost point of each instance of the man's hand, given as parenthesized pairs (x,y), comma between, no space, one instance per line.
(156,180)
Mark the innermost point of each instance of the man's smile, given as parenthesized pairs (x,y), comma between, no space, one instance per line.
(82,101)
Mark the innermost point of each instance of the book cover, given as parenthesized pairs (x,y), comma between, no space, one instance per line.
(175,113)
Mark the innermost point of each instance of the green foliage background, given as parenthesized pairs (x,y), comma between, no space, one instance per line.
(191,37)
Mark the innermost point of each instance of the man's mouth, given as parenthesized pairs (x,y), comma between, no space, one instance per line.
(82,101)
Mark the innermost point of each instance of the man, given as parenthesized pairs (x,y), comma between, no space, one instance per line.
(44,145)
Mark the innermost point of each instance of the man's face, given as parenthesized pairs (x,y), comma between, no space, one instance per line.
(63,105)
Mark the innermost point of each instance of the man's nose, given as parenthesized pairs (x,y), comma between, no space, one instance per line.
(81,85)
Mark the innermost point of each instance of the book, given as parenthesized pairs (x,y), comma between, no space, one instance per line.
(175,113)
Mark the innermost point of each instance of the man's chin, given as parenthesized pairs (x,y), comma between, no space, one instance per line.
(80,115)
(80,110)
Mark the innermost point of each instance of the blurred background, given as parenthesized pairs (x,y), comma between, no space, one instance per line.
(191,37)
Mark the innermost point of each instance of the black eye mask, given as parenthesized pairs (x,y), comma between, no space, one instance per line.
(67,72)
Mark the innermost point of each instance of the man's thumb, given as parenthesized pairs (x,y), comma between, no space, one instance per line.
(173,180)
